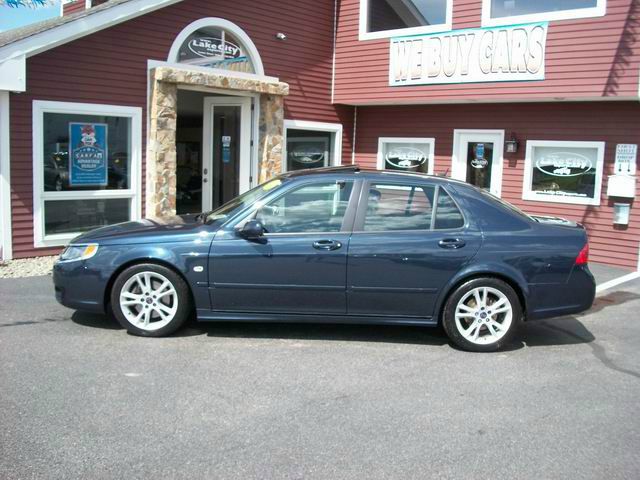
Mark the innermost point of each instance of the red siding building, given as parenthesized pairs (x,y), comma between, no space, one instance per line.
(187,103)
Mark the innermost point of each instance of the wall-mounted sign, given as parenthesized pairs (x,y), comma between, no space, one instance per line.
(214,47)
(405,157)
(625,163)
(564,164)
(512,53)
(88,154)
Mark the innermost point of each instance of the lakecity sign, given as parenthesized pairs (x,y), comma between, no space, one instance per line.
(513,53)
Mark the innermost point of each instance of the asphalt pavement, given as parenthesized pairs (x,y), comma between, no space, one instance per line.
(82,399)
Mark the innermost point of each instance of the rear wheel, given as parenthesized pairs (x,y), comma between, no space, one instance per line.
(150,300)
(482,315)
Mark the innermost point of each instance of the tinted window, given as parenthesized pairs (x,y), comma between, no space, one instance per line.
(316,207)
(308,149)
(394,14)
(399,207)
(508,8)
(447,213)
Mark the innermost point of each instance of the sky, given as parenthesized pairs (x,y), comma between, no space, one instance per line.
(18,17)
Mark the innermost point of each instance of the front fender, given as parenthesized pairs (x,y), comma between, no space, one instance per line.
(488,269)
(187,258)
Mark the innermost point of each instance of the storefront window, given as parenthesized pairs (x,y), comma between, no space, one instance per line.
(406,154)
(508,11)
(567,172)
(85,168)
(381,18)
(311,145)
(215,48)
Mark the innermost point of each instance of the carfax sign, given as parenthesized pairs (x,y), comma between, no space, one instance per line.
(88,154)
(501,54)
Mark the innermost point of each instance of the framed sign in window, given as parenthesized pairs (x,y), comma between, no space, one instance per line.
(406,154)
(563,172)
(86,168)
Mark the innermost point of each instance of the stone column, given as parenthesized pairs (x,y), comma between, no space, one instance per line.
(161,154)
(271,136)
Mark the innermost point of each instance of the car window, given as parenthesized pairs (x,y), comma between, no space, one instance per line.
(399,207)
(314,207)
(447,213)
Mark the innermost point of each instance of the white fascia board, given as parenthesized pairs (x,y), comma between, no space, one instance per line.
(13,75)
(80,27)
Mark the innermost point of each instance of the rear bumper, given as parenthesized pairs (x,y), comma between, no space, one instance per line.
(554,300)
(78,287)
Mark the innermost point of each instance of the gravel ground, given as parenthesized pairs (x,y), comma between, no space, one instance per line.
(27,267)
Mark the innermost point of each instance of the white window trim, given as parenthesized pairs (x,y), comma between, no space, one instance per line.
(528,194)
(335,128)
(5,179)
(39,195)
(599,10)
(365,35)
(252,50)
(430,141)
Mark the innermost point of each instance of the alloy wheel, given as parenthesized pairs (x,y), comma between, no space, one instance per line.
(483,315)
(149,301)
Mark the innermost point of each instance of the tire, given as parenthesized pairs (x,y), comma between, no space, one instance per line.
(150,300)
(471,323)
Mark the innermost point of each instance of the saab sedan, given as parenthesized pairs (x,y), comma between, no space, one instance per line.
(338,245)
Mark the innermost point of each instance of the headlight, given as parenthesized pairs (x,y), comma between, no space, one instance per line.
(78,252)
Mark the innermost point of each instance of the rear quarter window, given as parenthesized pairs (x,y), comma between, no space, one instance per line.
(448,215)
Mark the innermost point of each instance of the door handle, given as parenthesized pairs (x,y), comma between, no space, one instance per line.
(327,245)
(452,243)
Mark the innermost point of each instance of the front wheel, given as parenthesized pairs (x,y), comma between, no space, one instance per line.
(150,300)
(482,315)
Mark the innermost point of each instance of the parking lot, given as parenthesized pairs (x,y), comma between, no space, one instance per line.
(82,399)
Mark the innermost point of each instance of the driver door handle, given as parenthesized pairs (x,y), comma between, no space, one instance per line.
(327,245)
(452,243)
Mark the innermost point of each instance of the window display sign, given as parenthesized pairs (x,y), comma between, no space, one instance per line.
(408,154)
(569,172)
(88,154)
(405,157)
(512,53)
(308,152)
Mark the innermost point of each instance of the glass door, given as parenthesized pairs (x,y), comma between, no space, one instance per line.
(477,158)
(226,155)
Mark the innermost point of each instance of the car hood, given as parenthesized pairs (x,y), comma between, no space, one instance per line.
(183,228)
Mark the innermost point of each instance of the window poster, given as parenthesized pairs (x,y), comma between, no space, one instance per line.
(88,154)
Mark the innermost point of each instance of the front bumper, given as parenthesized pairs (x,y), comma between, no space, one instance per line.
(79,286)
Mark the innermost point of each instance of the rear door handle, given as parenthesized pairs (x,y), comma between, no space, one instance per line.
(452,243)
(327,245)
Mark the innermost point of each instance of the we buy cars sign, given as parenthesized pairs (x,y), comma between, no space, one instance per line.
(512,53)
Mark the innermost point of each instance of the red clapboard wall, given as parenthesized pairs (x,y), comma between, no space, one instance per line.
(612,122)
(586,58)
(110,67)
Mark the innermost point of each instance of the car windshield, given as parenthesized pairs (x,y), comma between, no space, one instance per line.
(230,208)
(507,205)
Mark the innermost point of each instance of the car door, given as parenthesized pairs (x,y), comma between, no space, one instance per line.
(299,265)
(409,240)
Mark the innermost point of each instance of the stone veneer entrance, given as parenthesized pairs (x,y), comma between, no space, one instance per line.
(161,150)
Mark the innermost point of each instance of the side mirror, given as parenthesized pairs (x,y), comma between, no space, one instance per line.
(252,230)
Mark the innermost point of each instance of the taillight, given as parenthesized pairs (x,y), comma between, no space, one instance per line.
(583,256)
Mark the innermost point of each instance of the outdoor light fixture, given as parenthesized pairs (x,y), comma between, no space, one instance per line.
(511,146)
(281,36)
(621,213)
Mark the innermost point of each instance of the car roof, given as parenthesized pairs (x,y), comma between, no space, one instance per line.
(367,172)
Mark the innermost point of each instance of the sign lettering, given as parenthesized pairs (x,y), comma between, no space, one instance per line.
(512,53)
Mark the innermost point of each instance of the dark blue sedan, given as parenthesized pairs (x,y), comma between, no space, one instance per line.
(340,245)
